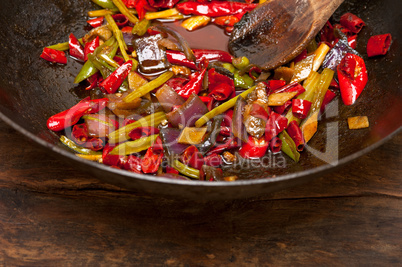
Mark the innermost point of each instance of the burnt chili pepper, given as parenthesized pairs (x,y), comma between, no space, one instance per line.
(300,108)
(76,49)
(193,86)
(95,22)
(54,56)
(210,139)
(378,45)
(90,47)
(296,134)
(114,80)
(214,8)
(72,115)
(352,22)
(352,75)
(275,144)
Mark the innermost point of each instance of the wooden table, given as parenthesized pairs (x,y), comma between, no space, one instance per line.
(53,215)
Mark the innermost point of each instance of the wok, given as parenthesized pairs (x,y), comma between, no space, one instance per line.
(31,90)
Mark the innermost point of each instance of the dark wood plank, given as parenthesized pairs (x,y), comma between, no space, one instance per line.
(51,214)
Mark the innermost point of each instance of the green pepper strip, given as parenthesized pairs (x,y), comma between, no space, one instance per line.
(240,62)
(77,148)
(221,108)
(243,81)
(118,35)
(105,3)
(104,70)
(186,170)
(135,146)
(124,10)
(89,69)
(141,27)
(289,147)
(121,134)
(62,46)
(148,87)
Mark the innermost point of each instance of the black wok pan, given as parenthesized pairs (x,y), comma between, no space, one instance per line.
(31,90)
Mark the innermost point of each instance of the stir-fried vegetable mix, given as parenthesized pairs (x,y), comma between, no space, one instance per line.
(159,107)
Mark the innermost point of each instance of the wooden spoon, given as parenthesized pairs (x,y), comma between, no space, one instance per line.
(277,31)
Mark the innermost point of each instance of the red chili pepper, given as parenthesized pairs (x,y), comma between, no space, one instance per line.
(253,70)
(352,75)
(282,109)
(192,157)
(275,144)
(329,95)
(112,160)
(171,170)
(178,58)
(352,22)
(193,86)
(275,125)
(119,60)
(213,160)
(90,47)
(94,81)
(142,7)
(229,144)
(214,8)
(327,33)
(72,115)
(94,144)
(76,49)
(346,31)
(352,41)
(162,3)
(130,3)
(225,131)
(151,161)
(293,87)
(120,19)
(145,131)
(378,45)
(300,108)
(220,86)
(334,84)
(259,112)
(95,22)
(114,80)
(54,56)
(79,134)
(226,20)
(273,85)
(227,119)
(254,148)
(296,134)
(133,163)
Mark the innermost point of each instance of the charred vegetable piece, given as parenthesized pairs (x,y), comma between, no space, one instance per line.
(150,56)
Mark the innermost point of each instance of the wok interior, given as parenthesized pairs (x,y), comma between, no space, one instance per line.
(31,89)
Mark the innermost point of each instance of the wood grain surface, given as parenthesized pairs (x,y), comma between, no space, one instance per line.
(53,215)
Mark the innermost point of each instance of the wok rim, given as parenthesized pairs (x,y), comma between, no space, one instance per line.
(317,171)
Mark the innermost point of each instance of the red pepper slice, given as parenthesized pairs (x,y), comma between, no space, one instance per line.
(254,148)
(72,115)
(95,22)
(352,22)
(133,163)
(226,20)
(334,84)
(213,160)
(162,3)
(79,134)
(54,56)
(94,81)
(220,86)
(273,85)
(94,144)
(214,8)
(140,132)
(378,45)
(352,41)
(178,58)
(300,108)
(352,75)
(275,145)
(171,170)
(296,134)
(329,95)
(113,82)
(258,112)
(327,33)
(282,109)
(76,49)
(275,125)
(112,160)
(151,161)
(301,56)
(193,86)
(293,87)
(192,157)
(120,19)
(90,47)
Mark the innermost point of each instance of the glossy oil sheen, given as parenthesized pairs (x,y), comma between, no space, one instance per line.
(31,90)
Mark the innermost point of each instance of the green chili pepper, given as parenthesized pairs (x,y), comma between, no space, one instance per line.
(105,3)
(229,67)
(135,146)
(243,81)
(288,146)
(78,148)
(89,69)
(240,62)
(141,27)
(186,170)
(118,35)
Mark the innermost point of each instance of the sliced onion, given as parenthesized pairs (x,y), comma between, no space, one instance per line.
(238,128)
(188,113)
(169,139)
(168,98)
